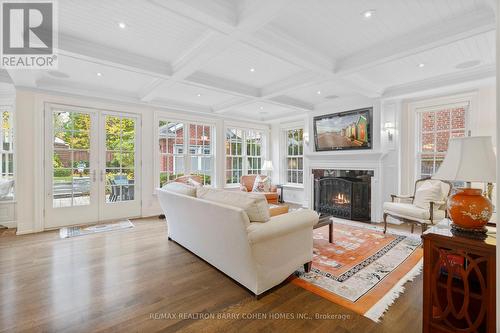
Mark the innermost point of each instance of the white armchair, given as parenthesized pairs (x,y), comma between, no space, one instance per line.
(426,205)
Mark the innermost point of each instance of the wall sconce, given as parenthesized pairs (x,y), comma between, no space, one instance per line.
(305,137)
(389,127)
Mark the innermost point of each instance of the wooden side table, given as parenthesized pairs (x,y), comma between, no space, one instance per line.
(459,281)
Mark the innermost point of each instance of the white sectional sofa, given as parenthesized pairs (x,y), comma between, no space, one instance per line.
(258,255)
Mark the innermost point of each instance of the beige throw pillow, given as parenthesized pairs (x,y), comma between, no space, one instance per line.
(427,192)
(255,205)
(180,188)
(261,184)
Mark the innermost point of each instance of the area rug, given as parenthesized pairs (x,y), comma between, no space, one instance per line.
(67,232)
(363,270)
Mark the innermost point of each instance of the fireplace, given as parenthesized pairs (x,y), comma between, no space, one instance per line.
(343,193)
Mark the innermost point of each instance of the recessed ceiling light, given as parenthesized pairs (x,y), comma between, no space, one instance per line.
(122,25)
(421,65)
(368,14)
(199,95)
(252,69)
(99,74)
(262,108)
(318,92)
(468,64)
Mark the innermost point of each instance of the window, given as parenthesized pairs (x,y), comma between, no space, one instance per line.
(7,149)
(436,127)
(243,153)
(185,152)
(254,152)
(294,156)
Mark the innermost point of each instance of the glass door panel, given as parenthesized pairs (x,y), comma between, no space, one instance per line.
(71,185)
(120,194)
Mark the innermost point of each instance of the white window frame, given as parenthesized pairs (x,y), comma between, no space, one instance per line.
(466,104)
(8,173)
(244,153)
(186,155)
(287,156)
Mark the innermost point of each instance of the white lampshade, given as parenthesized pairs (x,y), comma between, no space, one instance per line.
(267,166)
(469,159)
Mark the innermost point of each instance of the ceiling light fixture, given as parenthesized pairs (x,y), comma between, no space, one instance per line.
(368,14)
(99,74)
(318,92)
(122,25)
(421,65)
(252,69)
(262,108)
(199,95)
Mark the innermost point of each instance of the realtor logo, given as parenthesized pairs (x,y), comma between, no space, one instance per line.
(28,35)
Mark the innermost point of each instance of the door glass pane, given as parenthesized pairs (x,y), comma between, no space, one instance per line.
(120,159)
(71,159)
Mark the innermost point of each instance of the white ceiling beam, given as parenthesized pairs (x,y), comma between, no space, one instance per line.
(106,56)
(221,34)
(291,83)
(415,42)
(478,74)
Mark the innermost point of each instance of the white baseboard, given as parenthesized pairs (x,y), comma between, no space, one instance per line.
(10,224)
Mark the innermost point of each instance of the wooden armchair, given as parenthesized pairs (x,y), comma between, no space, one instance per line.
(246,185)
(409,212)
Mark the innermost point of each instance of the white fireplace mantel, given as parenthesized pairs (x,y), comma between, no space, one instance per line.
(350,160)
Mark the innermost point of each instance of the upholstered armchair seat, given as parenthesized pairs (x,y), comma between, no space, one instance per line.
(419,210)
(246,185)
(409,211)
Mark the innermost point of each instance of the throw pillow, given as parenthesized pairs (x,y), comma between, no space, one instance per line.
(427,192)
(180,188)
(261,184)
(254,205)
(194,183)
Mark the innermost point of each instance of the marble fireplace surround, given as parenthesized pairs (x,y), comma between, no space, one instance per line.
(349,160)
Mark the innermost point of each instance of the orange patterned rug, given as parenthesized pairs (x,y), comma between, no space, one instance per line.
(363,270)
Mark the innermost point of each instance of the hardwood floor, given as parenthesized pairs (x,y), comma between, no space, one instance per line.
(135,280)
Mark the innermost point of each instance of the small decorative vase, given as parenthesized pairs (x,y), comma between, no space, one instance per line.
(469,209)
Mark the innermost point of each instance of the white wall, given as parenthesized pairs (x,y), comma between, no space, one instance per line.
(30,149)
(481,121)
(302,195)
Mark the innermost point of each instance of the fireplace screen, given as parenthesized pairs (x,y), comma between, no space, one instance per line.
(344,197)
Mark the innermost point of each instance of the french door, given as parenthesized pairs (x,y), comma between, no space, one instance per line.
(91,169)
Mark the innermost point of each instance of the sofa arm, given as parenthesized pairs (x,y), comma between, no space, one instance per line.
(281,225)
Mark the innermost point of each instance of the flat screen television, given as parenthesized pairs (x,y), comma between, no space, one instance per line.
(344,130)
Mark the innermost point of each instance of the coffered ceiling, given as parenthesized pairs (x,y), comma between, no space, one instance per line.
(264,60)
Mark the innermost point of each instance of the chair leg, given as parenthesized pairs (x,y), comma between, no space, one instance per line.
(330,233)
(424,227)
(385,222)
(412,227)
(307,266)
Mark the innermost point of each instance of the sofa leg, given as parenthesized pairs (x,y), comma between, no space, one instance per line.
(307,266)
(385,223)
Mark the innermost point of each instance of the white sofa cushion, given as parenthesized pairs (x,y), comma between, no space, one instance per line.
(427,192)
(407,210)
(180,188)
(255,205)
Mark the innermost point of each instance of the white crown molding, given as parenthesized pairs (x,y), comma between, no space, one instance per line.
(433,36)
(484,72)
